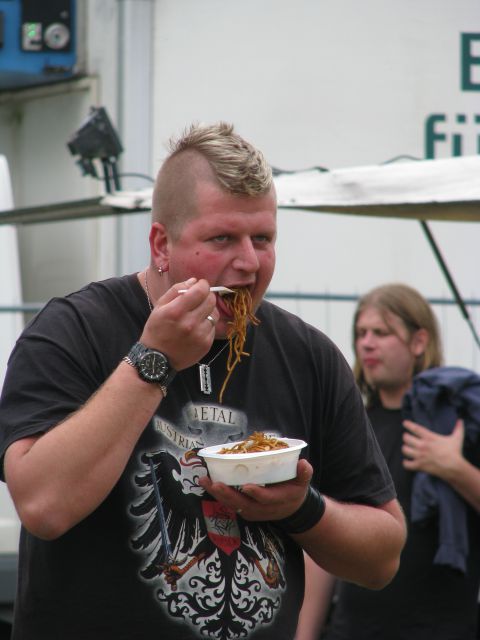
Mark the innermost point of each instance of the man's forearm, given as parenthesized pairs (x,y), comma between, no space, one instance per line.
(86,454)
(319,587)
(358,543)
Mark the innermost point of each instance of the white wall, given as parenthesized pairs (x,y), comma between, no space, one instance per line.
(334,83)
(10,326)
(10,291)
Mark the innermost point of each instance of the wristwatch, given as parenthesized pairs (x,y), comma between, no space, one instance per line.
(152,365)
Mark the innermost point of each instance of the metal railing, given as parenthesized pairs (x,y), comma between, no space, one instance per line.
(34,307)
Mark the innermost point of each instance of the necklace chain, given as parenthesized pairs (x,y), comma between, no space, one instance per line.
(147,291)
(217,354)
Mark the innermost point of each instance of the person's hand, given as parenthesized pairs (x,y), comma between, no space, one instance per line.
(262,503)
(183,325)
(431,452)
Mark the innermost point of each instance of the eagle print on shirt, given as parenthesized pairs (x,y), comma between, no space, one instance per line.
(221,575)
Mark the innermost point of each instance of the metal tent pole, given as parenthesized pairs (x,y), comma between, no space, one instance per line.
(451,283)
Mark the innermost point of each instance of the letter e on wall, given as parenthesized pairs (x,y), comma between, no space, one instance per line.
(470,61)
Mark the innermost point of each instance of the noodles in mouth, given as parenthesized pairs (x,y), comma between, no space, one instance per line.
(240,304)
(255,443)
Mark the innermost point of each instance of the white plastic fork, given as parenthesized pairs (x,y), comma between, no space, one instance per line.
(220,290)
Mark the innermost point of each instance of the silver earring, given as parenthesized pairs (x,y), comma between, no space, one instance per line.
(160,271)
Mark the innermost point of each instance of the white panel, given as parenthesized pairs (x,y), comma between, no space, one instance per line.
(334,84)
(135,111)
(10,327)
(10,290)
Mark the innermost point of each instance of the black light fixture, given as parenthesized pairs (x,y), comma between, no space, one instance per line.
(96,139)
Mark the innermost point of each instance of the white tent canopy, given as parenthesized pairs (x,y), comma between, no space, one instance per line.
(442,189)
(447,189)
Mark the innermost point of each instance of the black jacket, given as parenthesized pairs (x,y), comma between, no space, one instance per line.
(439,397)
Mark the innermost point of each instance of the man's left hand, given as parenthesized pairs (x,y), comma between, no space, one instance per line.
(261,503)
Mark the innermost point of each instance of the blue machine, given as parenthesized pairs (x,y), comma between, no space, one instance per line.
(37,42)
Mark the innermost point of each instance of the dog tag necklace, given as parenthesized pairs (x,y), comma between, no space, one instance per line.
(205,373)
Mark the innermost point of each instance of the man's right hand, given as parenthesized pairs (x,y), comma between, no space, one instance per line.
(178,325)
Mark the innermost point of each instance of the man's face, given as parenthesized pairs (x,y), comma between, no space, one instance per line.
(230,242)
(385,351)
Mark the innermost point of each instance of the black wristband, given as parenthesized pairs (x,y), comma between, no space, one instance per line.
(306,516)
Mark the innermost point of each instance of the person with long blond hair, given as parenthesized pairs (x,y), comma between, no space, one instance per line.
(434,595)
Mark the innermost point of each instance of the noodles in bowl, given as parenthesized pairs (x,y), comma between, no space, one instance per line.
(235,467)
(255,443)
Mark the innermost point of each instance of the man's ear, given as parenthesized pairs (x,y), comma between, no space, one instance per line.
(419,342)
(159,245)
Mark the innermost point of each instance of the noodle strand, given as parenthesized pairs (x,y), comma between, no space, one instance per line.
(240,304)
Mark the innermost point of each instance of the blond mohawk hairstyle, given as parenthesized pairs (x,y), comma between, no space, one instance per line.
(239,167)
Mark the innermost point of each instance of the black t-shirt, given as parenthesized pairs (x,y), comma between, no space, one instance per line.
(177,565)
(424,601)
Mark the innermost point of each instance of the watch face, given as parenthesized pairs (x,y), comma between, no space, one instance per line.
(153,366)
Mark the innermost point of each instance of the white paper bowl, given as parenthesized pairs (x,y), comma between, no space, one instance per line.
(263,467)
